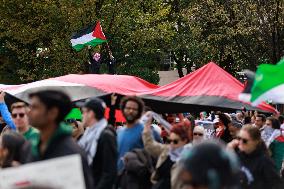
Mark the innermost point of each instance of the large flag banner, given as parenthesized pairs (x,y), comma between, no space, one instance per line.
(92,36)
(268,84)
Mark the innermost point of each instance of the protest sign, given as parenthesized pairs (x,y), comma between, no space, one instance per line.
(59,173)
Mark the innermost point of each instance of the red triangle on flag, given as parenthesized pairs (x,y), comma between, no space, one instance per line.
(98,32)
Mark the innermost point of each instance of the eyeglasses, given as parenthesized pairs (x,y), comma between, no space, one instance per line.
(245,141)
(21,115)
(175,141)
(197,134)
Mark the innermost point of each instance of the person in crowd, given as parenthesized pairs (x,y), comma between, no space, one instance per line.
(156,130)
(235,128)
(198,135)
(20,118)
(257,167)
(203,116)
(247,120)
(2,123)
(270,130)
(240,116)
(14,150)
(281,120)
(276,142)
(209,166)
(94,61)
(113,102)
(111,64)
(5,114)
(74,119)
(171,118)
(48,108)
(129,137)
(166,172)
(222,124)
(99,142)
(253,120)
(77,128)
(260,121)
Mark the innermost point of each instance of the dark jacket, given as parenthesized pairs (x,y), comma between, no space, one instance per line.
(104,166)
(137,170)
(95,65)
(258,170)
(62,144)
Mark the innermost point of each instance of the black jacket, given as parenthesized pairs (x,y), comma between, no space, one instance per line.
(104,166)
(62,144)
(95,65)
(258,168)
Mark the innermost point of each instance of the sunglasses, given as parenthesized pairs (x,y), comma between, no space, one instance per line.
(175,141)
(197,134)
(245,141)
(21,115)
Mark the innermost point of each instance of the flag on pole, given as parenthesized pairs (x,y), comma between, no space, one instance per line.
(268,84)
(92,36)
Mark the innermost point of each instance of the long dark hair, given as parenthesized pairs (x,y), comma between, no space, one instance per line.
(18,148)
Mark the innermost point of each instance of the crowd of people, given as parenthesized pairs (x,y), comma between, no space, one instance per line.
(148,151)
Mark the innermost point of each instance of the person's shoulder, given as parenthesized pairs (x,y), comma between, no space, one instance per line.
(35,131)
(120,130)
(109,131)
(139,125)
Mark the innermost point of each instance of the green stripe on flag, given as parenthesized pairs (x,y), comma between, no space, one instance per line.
(93,43)
(268,83)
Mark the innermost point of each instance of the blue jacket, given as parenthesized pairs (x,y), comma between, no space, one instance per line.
(7,116)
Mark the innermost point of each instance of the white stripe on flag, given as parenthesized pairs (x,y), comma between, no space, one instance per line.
(275,94)
(83,39)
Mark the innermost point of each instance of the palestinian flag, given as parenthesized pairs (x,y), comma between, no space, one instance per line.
(89,36)
(268,84)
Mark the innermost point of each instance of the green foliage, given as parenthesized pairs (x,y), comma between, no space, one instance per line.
(35,35)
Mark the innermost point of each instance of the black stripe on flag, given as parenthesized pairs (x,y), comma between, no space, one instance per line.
(84,31)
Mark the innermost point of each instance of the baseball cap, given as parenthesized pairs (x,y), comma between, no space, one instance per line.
(95,104)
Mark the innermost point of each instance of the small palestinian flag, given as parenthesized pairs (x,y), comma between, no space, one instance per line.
(92,36)
(268,84)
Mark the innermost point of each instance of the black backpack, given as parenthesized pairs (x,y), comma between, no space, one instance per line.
(138,168)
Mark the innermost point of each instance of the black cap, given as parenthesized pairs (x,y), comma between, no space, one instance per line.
(95,104)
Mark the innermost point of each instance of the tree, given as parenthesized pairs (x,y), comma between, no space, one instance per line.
(38,35)
(236,34)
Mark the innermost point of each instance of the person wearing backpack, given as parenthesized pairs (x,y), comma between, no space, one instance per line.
(138,167)
(166,172)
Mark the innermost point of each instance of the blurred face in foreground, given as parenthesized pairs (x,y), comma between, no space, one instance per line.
(186,178)
(39,115)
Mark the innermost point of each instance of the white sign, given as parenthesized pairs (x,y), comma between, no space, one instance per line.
(59,173)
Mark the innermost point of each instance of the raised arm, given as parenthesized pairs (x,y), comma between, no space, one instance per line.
(5,112)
